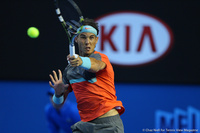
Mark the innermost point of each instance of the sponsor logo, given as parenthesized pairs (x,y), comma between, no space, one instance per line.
(180,121)
(133,38)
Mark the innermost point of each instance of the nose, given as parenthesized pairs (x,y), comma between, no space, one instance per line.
(87,40)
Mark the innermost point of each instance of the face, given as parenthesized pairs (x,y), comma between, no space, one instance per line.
(86,43)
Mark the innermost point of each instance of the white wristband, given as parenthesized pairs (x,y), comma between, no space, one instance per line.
(58,100)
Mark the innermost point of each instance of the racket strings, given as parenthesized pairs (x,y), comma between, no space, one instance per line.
(70,17)
(76,23)
(73,26)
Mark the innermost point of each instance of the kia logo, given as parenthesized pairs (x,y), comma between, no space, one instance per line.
(133,38)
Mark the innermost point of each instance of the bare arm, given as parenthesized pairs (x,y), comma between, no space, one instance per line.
(58,106)
(96,65)
(60,88)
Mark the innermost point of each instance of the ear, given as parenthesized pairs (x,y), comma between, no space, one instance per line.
(97,38)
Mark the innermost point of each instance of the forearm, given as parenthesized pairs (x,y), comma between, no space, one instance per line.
(92,64)
(58,106)
(88,63)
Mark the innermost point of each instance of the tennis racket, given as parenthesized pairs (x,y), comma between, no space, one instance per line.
(71,19)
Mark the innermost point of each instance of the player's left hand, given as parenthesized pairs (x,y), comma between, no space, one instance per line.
(74,60)
(57,83)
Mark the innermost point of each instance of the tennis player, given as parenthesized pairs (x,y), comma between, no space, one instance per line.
(60,119)
(90,75)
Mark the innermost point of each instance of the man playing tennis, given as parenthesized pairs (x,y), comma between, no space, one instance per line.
(90,75)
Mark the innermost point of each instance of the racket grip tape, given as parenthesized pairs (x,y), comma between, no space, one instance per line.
(72,50)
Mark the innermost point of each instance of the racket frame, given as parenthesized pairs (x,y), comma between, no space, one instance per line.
(69,28)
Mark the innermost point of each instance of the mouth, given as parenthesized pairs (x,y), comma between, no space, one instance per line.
(87,48)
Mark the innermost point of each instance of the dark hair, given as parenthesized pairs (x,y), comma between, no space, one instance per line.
(92,23)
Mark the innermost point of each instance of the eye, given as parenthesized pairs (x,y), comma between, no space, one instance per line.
(91,37)
(83,37)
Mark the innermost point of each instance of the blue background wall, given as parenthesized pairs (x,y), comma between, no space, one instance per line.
(22,104)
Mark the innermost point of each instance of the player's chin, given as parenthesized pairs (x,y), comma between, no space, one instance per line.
(88,52)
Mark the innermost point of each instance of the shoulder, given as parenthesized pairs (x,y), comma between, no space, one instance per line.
(99,56)
(99,53)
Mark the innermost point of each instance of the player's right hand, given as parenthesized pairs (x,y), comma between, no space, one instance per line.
(74,60)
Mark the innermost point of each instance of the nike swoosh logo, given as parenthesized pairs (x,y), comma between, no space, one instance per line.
(87,28)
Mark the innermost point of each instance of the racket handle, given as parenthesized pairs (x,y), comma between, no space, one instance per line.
(72,50)
(72,47)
